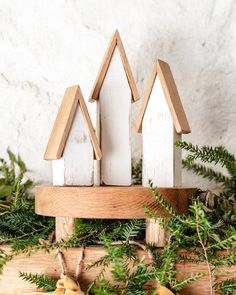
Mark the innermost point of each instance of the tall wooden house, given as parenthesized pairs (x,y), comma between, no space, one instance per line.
(114,91)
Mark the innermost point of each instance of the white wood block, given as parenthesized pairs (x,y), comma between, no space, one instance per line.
(77,164)
(58,172)
(115,105)
(78,154)
(161,160)
(97,163)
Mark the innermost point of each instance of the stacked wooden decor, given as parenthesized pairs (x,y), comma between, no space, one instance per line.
(92,175)
(91,165)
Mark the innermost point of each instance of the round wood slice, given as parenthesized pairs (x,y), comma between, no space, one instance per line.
(106,202)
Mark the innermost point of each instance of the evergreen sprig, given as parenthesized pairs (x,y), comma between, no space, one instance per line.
(222,204)
(40,280)
(227,287)
(180,284)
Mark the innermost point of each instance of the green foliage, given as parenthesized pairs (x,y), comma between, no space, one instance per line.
(14,185)
(227,287)
(202,231)
(196,230)
(178,285)
(137,172)
(19,225)
(223,205)
(41,281)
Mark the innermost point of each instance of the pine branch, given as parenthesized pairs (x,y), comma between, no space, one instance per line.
(178,285)
(209,154)
(226,260)
(205,252)
(40,280)
(227,287)
(226,243)
(132,229)
(207,172)
(137,172)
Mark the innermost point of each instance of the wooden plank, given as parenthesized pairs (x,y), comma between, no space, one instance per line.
(159,151)
(172,96)
(93,138)
(106,202)
(46,263)
(103,69)
(162,69)
(131,81)
(115,104)
(145,100)
(62,124)
(115,41)
(65,226)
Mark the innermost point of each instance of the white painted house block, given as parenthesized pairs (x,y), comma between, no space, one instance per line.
(114,90)
(115,104)
(162,121)
(161,160)
(78,154)
(76,165)
(72,147)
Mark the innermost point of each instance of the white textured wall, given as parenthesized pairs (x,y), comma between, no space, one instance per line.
(46,46)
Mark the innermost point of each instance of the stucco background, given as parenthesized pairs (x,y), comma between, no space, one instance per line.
(46,46)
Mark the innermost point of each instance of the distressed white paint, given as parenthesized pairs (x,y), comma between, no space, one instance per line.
(78,154)
(161,160)
(115,104)
(77,164)
(58,174)
(97,163)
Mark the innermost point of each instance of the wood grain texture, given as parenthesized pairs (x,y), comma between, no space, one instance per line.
(115,42)
(115,104)
(63,122)
(65,227)
(106,202)
(180,121)
(42,262)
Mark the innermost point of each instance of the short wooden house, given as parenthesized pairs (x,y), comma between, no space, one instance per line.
(162,120)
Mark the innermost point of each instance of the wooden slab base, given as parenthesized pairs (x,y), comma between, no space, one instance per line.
(41,262)
(106,202)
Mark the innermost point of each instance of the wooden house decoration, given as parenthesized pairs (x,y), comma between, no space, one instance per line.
(113,91)
(75,153)
(162,120)
(72,147)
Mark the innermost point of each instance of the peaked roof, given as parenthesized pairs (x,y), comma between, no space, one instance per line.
(115,41)
(180,121)
(72,97)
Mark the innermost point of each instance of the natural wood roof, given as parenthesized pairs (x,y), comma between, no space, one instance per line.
(72,97)
(115,41)
(162,69)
